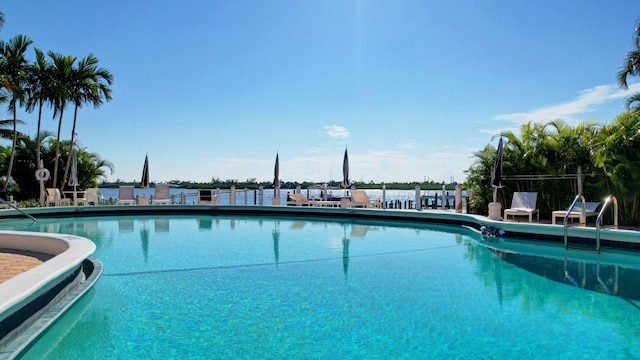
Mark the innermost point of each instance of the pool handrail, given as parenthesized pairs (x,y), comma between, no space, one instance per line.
(566,216)
(16,208)
(599,218)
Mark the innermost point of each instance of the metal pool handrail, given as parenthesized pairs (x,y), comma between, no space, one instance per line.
(566,216)
(599,218)
(20,211)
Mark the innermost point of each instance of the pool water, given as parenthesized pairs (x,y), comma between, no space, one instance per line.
(241,287)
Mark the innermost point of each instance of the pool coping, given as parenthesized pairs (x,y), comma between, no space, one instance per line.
(47,282)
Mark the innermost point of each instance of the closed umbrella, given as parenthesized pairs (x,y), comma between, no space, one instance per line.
(345,170)
(276,178)
(73,179)
(496,173)
(145,173)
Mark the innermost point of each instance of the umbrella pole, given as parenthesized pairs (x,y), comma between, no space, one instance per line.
(495,208)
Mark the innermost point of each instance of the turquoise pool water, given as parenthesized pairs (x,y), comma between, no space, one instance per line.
(222,287)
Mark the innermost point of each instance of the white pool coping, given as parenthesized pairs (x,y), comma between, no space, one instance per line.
(68,254)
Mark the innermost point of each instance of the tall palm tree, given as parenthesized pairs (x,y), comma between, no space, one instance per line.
(13,65)
(631,67)
(90,85)
(38,87)
(62,74)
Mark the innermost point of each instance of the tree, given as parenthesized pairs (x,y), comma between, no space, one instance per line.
(616,153)
(13,65)
(62,73)
(39,84)
(90,85)
(91,168)
(631,67)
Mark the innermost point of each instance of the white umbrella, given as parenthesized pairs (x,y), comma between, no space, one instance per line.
(73,179)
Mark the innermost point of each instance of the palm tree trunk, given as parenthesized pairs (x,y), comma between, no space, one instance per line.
(13,147)
(73,135)
(38,155)
(55,166)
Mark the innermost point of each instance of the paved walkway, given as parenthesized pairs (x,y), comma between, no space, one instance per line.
(14,262)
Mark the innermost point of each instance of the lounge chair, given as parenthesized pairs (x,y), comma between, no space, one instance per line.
(523,204)
(359,198)
(298,200)
(125,195)
(206,196)
(91,196)
(580,211)
(54,198)
(162,194)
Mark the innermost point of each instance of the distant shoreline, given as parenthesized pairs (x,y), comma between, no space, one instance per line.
(290,185)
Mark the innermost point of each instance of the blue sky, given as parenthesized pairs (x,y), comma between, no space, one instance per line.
(216,88)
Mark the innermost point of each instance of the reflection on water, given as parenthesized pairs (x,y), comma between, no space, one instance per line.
(592,275)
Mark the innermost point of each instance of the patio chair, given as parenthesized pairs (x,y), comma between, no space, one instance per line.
(55,198)
(523,204)
(581,211)
(298,200)
(162,194)
(91,196)
(206,196)
(125,195)
(359,198)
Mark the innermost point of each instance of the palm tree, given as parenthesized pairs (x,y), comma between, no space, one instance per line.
(62,74)
(13,66)
(90,85)
(38,88)
(631,67)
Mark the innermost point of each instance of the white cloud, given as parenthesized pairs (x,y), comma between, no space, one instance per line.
(335,131)
(586,102)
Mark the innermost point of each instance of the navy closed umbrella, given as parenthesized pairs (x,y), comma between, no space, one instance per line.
(145,173)
(345,170)
(276,173)
(496,173)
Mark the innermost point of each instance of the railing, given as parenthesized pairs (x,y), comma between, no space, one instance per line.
(607,201)
(16,208)
(566,217)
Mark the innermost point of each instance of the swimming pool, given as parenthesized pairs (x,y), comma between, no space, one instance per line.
(258,287)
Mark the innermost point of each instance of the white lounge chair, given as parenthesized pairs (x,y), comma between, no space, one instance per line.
(298,200)
(580,211)
(162,194)
(55,198)
(91,196)
(359,198)
(125,196)
(523,204)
